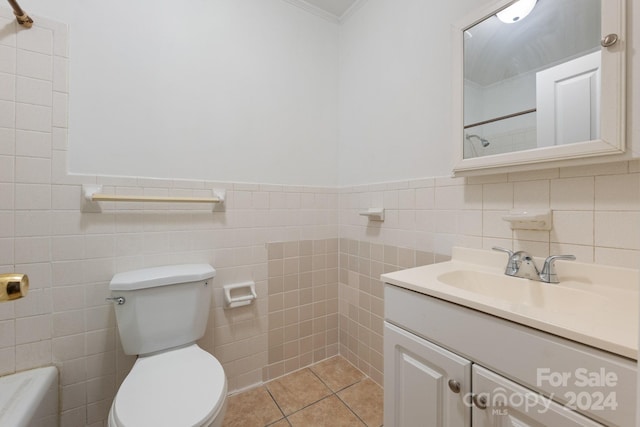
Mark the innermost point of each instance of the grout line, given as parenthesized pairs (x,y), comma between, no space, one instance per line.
(310,404)
(276,402)
(332,393)
(324,398)
(349,407)
(280,420)
(335,393)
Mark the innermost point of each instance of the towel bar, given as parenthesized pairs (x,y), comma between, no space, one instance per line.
(91,195)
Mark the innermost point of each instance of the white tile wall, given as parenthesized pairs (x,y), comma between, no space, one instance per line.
(33,144)
(7,113)
(7,87)
(596,212)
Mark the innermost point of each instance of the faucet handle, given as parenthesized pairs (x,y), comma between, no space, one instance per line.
(499,249)
(512,263)
(548,273)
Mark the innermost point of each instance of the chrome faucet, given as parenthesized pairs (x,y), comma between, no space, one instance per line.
(521,264)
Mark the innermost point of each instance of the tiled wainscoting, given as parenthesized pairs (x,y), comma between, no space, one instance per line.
(317,310)
(302,305)
(596,212)
(361,299)
(596,216)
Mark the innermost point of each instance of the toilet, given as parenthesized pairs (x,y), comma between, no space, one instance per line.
(161,312)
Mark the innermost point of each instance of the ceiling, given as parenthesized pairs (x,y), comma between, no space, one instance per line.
(336,8)
(556,30)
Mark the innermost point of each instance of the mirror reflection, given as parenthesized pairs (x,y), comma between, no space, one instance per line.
(532,77)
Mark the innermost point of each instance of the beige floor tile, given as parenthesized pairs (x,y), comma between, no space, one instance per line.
(329,412)
(253,408)
(297,390)
(337,373)
(282,423)
(366,400)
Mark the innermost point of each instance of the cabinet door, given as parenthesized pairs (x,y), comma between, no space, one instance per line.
(424,384)
(499,402)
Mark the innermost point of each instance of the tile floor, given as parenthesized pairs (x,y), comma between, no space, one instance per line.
(330,393)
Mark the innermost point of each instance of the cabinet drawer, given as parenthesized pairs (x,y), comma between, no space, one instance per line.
(509,404)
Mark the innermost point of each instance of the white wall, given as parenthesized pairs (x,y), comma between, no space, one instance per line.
(227,90)
(396,86)
(395,90)
(249,89)
(501,98)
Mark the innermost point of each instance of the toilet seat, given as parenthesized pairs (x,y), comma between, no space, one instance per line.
(182,387)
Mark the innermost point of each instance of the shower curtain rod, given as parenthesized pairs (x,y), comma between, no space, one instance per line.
(22,18)
(508,116)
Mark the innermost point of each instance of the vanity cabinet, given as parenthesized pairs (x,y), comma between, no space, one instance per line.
(448,365)
(424,383)
(427,385)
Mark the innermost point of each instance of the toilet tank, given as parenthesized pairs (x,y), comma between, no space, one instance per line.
(164,307)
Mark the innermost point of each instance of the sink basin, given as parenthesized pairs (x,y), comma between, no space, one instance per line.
(551,297)
(593,304)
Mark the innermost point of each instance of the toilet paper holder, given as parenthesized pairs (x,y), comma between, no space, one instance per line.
(239,294)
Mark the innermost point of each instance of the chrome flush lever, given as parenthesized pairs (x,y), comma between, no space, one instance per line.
(117,300)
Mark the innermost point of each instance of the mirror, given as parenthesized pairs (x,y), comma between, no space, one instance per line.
(536,84)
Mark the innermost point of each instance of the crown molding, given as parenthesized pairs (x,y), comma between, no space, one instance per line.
(353,9)
(314,10)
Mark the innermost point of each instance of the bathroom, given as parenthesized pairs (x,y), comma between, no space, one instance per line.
(305,120)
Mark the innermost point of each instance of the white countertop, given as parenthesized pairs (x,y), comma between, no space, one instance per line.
(593,304)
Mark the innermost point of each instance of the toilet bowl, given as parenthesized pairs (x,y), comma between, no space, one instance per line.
(160,313)
(183,387)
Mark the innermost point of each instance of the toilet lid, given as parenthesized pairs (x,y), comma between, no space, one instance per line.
(182,387)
